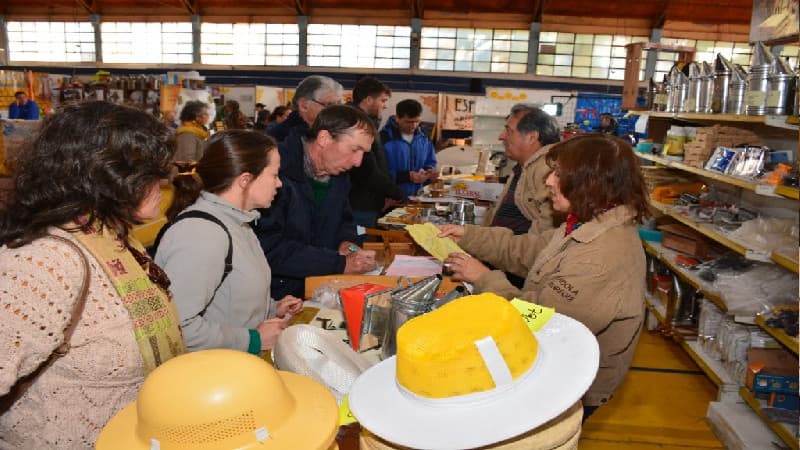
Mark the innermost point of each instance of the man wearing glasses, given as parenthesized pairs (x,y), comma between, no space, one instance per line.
(313,94)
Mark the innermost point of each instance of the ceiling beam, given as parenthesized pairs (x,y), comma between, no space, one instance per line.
(88,5)
(190,6)
(538,8)
(302,7)
(662,16)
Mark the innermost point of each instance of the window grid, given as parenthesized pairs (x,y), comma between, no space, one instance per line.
(51,41)
(367,46)
(147,42)
(578,55)
(250,44)
(474,50)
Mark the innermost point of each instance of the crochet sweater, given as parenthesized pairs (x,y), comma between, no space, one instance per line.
(73,399)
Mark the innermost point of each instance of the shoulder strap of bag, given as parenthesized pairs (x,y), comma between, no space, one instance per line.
(206,216)
(23,384)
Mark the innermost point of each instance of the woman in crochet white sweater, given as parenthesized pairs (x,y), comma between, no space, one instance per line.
(91,173)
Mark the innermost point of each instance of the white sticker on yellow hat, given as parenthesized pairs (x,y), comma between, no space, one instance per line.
(534,315)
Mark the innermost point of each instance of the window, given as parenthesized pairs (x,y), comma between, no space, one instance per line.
(371,46)
(249,44)
(474,50)
(584,55)
(51,41)
(147,42)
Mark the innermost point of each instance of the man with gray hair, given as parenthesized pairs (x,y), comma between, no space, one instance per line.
(313,94)
(524,206)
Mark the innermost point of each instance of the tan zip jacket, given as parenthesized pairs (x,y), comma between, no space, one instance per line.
(595,275)
(532,196)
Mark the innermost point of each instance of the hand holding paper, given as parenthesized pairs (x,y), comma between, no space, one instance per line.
(427,236)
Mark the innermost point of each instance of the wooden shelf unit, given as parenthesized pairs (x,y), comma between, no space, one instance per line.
(778,258)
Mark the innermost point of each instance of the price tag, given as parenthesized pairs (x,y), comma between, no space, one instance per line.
(345,415)
(758,255)
(766,189)
(534,315)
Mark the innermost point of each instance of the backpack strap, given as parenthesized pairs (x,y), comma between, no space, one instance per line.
(195,214)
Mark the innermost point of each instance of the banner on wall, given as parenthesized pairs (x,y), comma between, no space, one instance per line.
(459,112)
(270,96)
(169,96)
(429,102)
(203,95)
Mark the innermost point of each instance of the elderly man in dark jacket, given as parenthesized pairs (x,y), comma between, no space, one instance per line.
(312,94)
(309,229)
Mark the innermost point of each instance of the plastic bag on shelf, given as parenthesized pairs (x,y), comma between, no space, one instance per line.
(769,234)
(708,327)
(755,290)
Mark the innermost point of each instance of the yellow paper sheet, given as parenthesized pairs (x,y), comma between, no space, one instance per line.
(534,315)
(426,235)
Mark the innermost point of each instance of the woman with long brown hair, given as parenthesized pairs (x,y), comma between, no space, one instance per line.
(591,268)
(219,306)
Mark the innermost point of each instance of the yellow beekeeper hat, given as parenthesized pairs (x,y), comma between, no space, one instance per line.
(471,374)
(224,399)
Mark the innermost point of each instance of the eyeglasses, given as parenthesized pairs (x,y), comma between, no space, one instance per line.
(325,105)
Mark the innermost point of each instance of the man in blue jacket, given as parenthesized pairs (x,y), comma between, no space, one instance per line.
(409,153)
(309,229)
(23,107)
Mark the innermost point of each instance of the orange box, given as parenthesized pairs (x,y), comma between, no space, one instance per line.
(354,301)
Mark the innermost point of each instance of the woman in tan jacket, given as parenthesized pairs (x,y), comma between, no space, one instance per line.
(591,268)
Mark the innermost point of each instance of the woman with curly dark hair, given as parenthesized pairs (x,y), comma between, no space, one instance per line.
(591,268)
(86,314)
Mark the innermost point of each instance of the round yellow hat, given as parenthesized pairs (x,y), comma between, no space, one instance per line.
(224,399)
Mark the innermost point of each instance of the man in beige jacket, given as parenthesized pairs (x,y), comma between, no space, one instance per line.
(524,205)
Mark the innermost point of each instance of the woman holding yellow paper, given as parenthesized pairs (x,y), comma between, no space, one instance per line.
(591,268)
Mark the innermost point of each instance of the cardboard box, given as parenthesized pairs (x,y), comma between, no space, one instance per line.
(772,370)
(684,239)
(779,384)
(480,190)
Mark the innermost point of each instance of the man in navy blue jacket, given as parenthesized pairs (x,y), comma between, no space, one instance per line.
(309,229)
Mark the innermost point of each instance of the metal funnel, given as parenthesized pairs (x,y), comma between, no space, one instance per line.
(419,292)
(722,65)
(739,74)
(780,66)
(457,292)
(707,70)
(762,57)
(692,70)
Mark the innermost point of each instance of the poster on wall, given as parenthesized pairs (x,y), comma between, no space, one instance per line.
(245,95)
(459,111)
(775,21)
(203,95)
(429,102)
(270,96)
